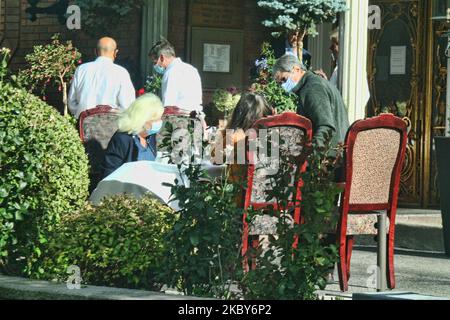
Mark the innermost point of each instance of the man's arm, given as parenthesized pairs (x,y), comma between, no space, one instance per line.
(72,98)
(127,94)
(317,107)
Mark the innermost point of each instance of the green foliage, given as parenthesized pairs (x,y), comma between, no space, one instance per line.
(119,243)
(52,64)
(291,16)
(225,101)
(268,87)
(43,174)
(154,84)
(298,18)
(203,249)
(101,17)
(284,272)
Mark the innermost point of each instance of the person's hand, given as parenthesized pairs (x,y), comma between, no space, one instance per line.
(321,73)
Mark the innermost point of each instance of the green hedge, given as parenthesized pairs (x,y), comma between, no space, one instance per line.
(119,243)
(43,175)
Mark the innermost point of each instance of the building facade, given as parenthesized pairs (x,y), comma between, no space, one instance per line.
(402,61)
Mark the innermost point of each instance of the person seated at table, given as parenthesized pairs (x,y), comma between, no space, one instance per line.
(136,138)
(250,108)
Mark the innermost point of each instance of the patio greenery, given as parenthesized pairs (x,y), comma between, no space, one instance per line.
(52,64)
(203,249)
(288,273)
(120,243)
(43,174)
(265,84)
(296,19)
(225,101)
(101,17)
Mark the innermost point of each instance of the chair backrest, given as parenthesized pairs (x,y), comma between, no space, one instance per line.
(375,152)
(97,126)
(287,132)
(179,128)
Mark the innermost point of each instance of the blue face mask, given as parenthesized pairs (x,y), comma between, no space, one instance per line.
(159,69)
(156,128)
(289,85)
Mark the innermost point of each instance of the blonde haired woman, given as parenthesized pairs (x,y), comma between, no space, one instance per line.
(136,138)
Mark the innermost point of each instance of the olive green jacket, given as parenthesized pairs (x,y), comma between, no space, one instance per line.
(322,103)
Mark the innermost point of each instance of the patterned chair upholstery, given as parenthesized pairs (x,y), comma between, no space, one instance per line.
(288,133)
(97,126)
(375,151)
(291,141)
(178,130)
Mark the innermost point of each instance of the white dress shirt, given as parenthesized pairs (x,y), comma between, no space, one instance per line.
(182,87)
(100,83)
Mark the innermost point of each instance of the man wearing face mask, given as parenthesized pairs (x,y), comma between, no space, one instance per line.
(318,100)
(181,83)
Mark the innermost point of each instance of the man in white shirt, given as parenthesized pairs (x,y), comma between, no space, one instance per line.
(181,84)
(101,82)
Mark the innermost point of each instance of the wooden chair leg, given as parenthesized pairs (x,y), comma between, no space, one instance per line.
(349,249)
(342,264)
(390,268)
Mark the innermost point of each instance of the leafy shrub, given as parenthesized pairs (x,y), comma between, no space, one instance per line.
(275,95)
(203,249)
(285,272)
(119,243)
(52,64)
(101,17)
(43,174)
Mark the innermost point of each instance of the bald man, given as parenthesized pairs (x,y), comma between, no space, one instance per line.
(101,82)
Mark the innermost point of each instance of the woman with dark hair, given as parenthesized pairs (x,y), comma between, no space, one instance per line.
(250,108)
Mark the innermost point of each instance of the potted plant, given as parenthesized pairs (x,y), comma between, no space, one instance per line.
(265,84)
(443,163)
(225,101)
(53,64)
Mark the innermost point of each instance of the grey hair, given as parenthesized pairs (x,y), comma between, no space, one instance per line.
(162,47)
(287,63)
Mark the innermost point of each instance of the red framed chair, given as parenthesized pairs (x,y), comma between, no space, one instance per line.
(295,132)
(374,156)
(96,128)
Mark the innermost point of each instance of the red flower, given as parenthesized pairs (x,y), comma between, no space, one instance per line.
(80,61)
(140,92)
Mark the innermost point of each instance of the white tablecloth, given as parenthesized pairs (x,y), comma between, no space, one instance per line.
(142,177)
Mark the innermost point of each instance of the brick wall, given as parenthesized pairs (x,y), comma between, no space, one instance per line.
(254,33)
(20,34)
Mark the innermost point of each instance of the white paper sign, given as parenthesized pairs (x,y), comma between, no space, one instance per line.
(216,58)
(398,60)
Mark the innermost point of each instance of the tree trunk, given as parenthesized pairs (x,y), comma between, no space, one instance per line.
(300,37)
(65,100)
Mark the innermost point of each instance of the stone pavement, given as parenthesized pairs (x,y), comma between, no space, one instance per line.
(416,229)
(419,272)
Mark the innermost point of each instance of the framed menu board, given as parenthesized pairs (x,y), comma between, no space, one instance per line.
(216,58)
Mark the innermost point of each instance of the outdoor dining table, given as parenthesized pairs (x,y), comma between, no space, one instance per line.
(147,177)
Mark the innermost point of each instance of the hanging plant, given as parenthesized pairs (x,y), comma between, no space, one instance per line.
(100,17)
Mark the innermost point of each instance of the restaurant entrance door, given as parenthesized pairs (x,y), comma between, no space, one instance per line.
(407,77)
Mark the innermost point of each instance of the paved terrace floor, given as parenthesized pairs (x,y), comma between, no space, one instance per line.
(419,272)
